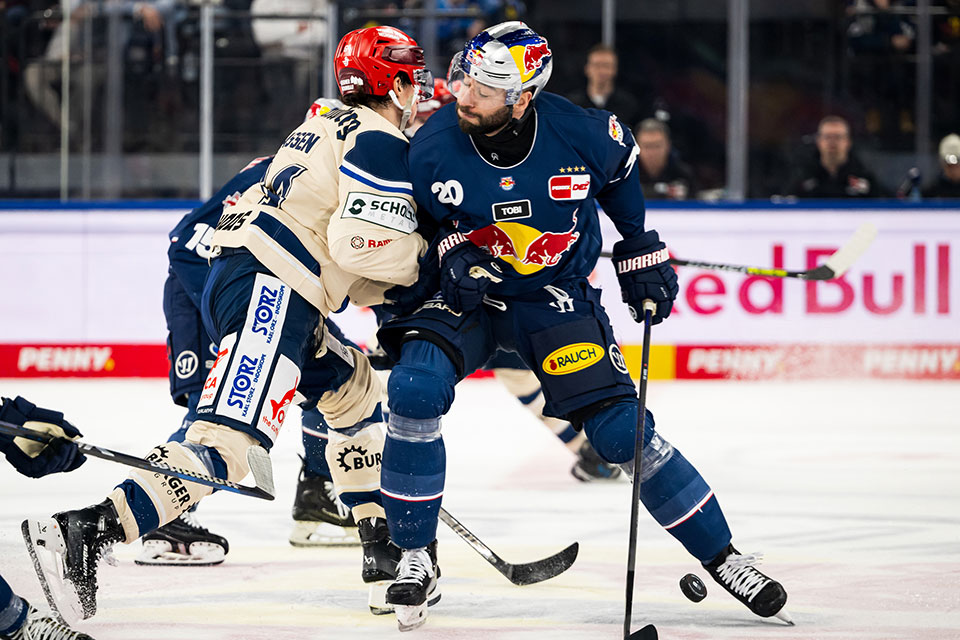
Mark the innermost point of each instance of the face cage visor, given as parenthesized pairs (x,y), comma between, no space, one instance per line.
(461,68)
(412,56)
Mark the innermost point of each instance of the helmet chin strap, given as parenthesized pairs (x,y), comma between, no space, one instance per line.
(406,109)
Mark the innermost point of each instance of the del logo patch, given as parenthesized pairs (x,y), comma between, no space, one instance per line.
(573,357)
(575,187)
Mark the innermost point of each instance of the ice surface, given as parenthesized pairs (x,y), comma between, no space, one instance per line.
(852,491)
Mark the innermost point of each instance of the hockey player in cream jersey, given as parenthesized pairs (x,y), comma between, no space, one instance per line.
(333,222)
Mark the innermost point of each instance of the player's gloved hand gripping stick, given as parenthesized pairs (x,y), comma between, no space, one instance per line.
(466,271)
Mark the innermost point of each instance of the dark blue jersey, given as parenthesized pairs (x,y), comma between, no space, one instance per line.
(539,216)
(189,250)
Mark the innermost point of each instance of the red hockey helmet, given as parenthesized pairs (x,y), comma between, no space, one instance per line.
(367,61)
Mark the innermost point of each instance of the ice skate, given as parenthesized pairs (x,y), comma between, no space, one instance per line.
(66,550)
(183,542)
(39,626)
(415,587)
(380,558)
(737,574)
(591,467)
(320,519)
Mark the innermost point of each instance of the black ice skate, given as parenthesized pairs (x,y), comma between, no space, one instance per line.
(39,626)
(738,575)
(591,467)
(182,542)
(66,550)
(380,558)
(415,587)
(320,519)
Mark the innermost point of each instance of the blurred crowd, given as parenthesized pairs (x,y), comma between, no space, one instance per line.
(267,59)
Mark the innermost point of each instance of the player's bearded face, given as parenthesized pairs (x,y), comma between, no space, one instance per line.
(472,121)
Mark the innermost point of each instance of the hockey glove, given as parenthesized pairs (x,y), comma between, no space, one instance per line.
(36,459)
(466,271)
(644,271)
(401,301)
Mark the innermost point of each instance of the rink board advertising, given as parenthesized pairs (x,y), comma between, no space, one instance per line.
(84,286)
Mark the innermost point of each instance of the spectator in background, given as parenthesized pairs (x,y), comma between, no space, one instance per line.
(601,91)
(662,174)
(948,182)
(881,75)
(834,172)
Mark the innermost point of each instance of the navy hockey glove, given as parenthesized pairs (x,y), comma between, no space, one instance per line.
(466,271)
(36,459)
(401,301)
(644,271)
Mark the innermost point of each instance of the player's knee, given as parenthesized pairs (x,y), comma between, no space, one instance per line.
(611,430)
(421,384)
(226,447)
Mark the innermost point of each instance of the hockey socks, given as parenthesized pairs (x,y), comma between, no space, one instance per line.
(315,438)
(13,611)
(679,499)
(412,480)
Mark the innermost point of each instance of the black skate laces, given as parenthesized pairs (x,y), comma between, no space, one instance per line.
(414,566)
(739,574)
(104,552)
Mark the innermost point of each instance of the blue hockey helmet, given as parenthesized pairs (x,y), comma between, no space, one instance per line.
(509,56)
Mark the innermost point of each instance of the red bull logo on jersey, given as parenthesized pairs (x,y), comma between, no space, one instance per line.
(569,187)
(572,358)
(523,247)
(507,183)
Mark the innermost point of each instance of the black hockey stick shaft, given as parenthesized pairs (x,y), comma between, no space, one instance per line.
(833,267)
(138,463)
(518,574)
(649,307)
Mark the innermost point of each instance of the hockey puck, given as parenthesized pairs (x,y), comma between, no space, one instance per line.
(693,587)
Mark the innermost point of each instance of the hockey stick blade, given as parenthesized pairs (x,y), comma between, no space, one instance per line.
(834,266)
(648,632)
(264,492)
(518,574)
(849,253)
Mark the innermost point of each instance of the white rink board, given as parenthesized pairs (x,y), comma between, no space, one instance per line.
(97,276)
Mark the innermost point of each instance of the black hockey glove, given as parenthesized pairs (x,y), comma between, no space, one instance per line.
(466,271)
(36,459)
(644,271)
(401,301)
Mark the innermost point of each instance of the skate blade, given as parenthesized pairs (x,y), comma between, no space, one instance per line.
(377,598)
(323,534)
(44,542)
(410,617)
(783,615)
(158,553)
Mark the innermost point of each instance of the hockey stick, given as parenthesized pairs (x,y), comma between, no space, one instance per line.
(518,574)
(257,458)
(648,632)
(834,267)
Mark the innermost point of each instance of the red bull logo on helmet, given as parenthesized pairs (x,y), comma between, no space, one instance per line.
(572,357)
(530,58)
(523,247)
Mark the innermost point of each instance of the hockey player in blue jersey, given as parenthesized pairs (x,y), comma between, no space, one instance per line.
(514,176)
(20,620)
